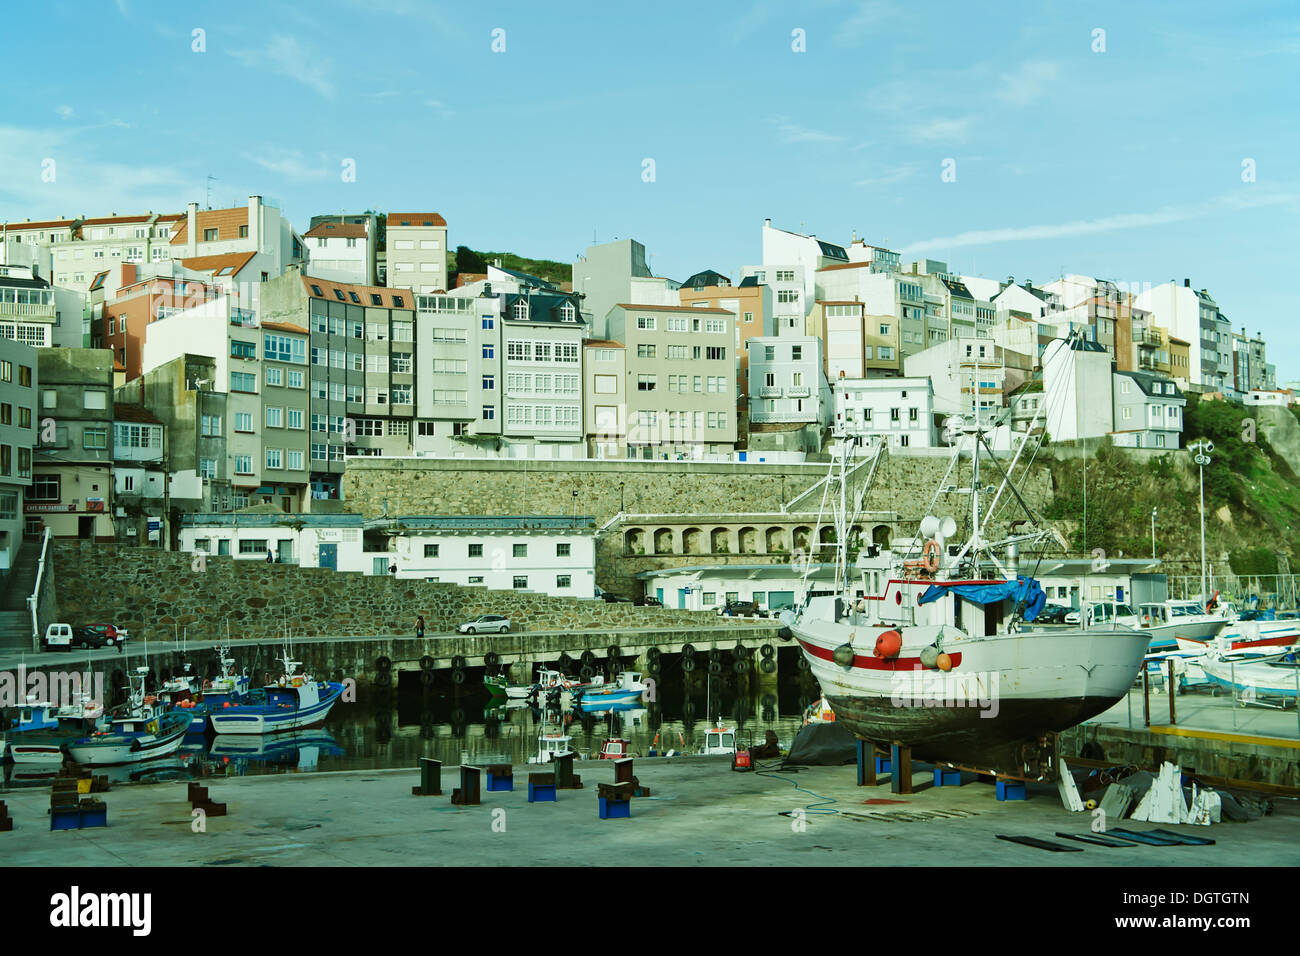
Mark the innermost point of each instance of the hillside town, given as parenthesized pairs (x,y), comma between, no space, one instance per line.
(164,373)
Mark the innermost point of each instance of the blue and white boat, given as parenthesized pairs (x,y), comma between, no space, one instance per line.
(1255,674)
(142,732)
(627,688)
(199,698)
(37,732)
(294,702)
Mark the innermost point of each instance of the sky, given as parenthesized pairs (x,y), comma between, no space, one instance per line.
(1139,145)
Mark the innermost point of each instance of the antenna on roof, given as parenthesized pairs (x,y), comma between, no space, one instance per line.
(207,196)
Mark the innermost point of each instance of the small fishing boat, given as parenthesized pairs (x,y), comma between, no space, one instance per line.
(550,746)
(142,732)
(1255,673)
(616,748)
(37,732)
(719,741)
(293,702)
(199,698)
(628,688)
(1170,622)
(498,687)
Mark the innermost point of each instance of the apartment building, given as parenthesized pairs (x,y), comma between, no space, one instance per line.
(28,312)
(1191,316)
(127,316)
(342,251)
(971,376)
(139,476)
(857,344)
(681,386)
(783,249)
(19,388)
(85,247)
(784,296)
(540,383)
(257,228)
(787,381)
(1148,411)
(72,476)
(416,252)
(604,391)
(750,301)
(612,272)
(899,411)
(1077,374)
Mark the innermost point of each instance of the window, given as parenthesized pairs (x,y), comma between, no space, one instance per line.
(274,417)
(93,398)
(44,488)
(283,348)
(476,550)
(519,550)
(796,353)
(274,457)
(209,235)
(242,350)
(295,379)
(243,421)
(645,322)
(562,549)
(274,376)
(488,323)
(94,438)
(489,413)
(645,351)
(563,580)
(749,317)
(646,383)
(489,351)
(430,550)
(207,468)
(520,582)
(243,464)
(489,382)
(243,382)
(253,546)
(715,353)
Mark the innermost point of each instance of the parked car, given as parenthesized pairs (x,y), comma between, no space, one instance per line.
(775,610)
(611,598)
(1072,617)
(648,600)
(99,635)
(739,609)
(1052,614)
(486,623)
(58,636)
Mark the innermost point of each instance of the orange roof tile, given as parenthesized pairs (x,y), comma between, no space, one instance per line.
(284,327)
(345,230)
(632,306)
(602,344)
(364,292)
(225,221)
(846,265)
(415,219)
(234,261)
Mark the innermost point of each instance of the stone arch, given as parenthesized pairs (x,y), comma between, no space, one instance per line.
(880,536)
(664,541)
(776,540)
(692,541)
(634,540)
(826,534)
(802,535)
(720,540)
(748,538)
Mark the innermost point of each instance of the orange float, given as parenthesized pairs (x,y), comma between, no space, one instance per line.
(888,644)
(944,662)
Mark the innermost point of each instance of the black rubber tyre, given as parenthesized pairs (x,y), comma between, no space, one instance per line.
(458,676)
(767,665)
(802,663)
(427,677)
(715,654)
(767,650)
(688,664)
(688,650)
(740,666)
(612,651)
(458,662)
(586,670)
(384,663)
(384,679)
(427,663)
(715,667)
(587,657)
(741,652)
(491,659)
(652,665)
(458,716)
(652,653)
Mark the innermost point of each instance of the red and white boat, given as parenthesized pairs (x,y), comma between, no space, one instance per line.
(936,650)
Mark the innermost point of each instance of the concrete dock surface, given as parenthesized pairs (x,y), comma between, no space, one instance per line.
(700,813)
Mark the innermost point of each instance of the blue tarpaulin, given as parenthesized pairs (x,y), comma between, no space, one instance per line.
(1023,590)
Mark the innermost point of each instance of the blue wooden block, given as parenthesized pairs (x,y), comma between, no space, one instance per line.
(94,818)
(1010,790)
(65,819)
(500,783)
(541,793)
(947,778)
(612,809)
(884,765)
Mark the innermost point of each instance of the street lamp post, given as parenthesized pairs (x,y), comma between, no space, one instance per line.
(1203,448)
(1153,533)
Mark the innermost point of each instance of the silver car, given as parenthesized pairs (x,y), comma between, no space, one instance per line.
(486,624)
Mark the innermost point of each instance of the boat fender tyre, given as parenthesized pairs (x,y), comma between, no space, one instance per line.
(427,663)
(458,662)
(715,667)
(715,654)
(384,679)
(652,653)
(785,634)
(741,652)
(652,665)
(843,655)
(612,650)
(930,657)
(384,663)
(458,676)
(688,664)
(491,659)
(740,666)
(458,716)
(767,665)
(688,650)
(587,670)
(767,650)
(427,677)
(587,657)
(565,661)
(802,663)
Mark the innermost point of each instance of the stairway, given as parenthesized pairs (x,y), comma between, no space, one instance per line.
(15,631)
(15,618)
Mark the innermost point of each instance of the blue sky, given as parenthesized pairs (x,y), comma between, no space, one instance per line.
(1127,163)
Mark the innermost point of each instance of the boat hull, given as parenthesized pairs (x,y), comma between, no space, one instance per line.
(265,719)
(114,749)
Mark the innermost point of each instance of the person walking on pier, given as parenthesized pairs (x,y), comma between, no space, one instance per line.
(419,625)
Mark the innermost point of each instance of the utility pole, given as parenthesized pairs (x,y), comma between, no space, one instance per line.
(1202,447)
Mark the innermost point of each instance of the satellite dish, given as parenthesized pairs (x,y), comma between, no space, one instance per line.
(929,526)
(947,528)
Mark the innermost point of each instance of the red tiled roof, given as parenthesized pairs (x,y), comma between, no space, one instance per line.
(602,344)
(284,327)
(385,293)
(415,219)
(235,261)
(630,306)
(345,230)
(124,412)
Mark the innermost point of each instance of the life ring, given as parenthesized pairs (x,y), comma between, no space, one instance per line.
(930,556)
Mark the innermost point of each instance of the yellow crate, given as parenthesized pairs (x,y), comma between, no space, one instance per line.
(83,785)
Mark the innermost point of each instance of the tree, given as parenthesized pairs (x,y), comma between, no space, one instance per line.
(467,260)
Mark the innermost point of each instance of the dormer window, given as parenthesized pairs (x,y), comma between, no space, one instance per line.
(567,313)
(520,311)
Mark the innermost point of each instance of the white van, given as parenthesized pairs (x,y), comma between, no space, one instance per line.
(58,635)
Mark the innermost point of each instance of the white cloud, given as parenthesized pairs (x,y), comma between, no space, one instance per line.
(288,163)
(864,19)
(889,177)
(942,130)
(1029,83)
(288,57)
(791,132)
(1229,202)
(64,111)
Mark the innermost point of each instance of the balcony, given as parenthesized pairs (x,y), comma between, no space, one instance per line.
(1148,337)
(245,318)
(760,417)
(770,391)
(798,391)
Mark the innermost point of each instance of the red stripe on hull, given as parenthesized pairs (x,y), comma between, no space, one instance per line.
(875,663)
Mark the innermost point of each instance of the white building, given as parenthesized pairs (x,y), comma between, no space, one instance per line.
(901,410)
(544,554)
(1192,316)
(1077,376)
(1148,411)
(416,255)
(331,541)
(783,250)
(341,251)
(786,380)
(706,587)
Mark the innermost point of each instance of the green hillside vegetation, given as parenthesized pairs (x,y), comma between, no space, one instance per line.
(465,259)
(1252,498)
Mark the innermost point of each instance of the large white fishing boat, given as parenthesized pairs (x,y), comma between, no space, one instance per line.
(141,732)
(294,702)
(933,648)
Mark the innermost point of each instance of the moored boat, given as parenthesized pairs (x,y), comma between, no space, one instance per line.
(294,702)
(141,732)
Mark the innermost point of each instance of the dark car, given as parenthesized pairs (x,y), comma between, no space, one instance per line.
(98,635)
(614,598)
(1052,614)
(648,600)
(739,609)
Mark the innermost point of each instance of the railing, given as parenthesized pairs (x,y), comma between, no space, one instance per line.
(33,602)
(760,417)
(798,391)
(243,317)
(769,391)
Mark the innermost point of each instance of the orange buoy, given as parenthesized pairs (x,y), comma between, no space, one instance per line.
(226,704)
(888,644)
(944,662)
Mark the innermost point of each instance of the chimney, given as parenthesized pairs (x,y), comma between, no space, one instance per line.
(1187,283)
(767,223)
(191,230)
(255,221)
